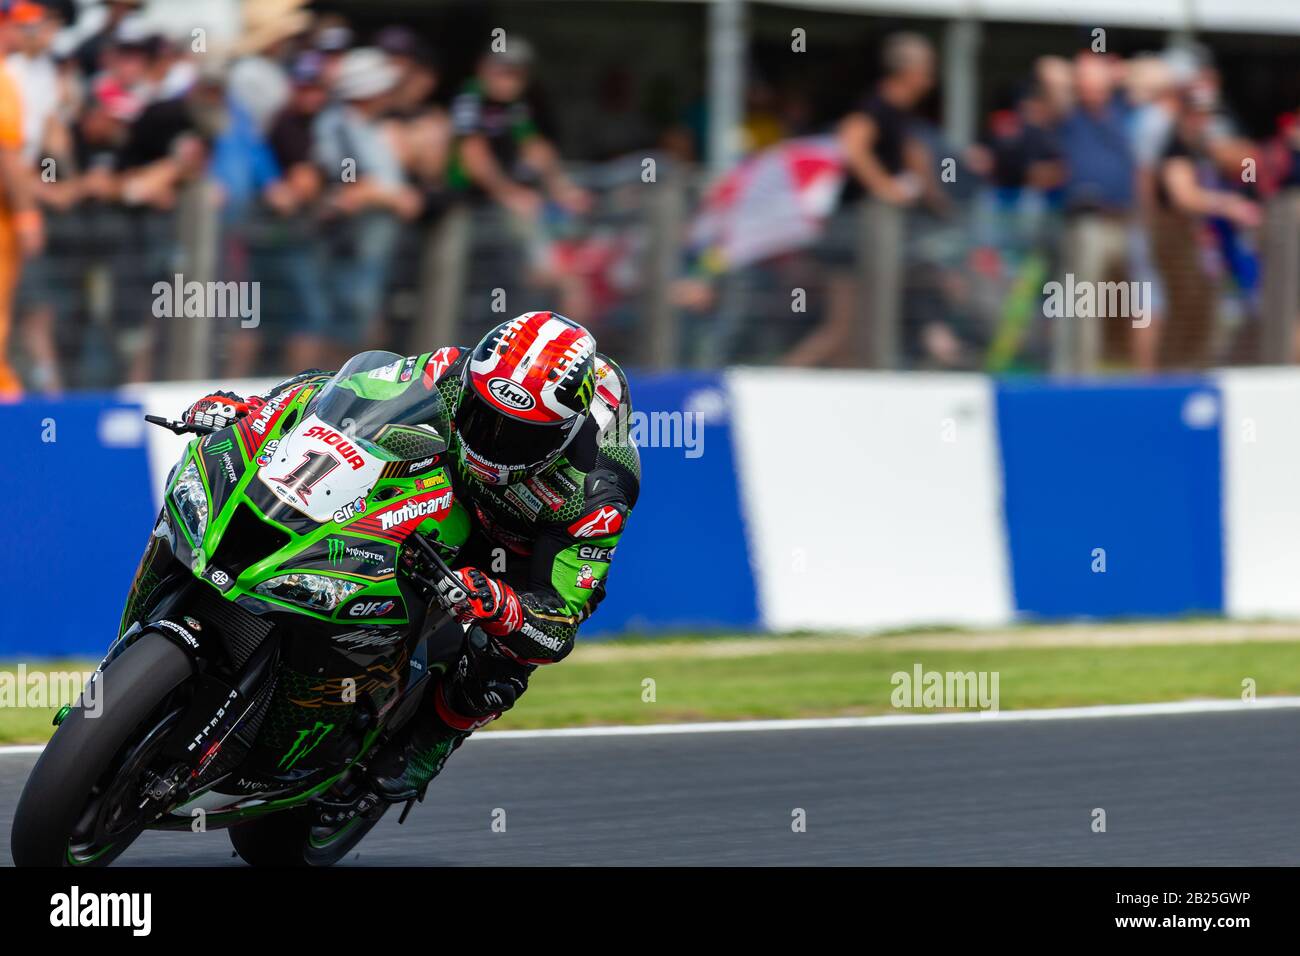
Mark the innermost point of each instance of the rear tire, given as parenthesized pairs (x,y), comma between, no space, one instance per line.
(288,839)
(86,752)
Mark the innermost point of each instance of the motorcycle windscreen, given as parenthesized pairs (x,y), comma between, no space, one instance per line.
(387,406)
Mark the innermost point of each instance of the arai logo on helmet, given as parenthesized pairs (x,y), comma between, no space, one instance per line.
(508,393)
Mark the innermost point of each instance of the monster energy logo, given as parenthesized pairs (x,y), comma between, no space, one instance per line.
(586,389)
(221,447)
(308,740)
(339,550)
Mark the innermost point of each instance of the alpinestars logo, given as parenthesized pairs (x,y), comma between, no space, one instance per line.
(412,510)
(597,524)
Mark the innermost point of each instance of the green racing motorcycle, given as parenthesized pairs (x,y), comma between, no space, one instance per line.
(283,623)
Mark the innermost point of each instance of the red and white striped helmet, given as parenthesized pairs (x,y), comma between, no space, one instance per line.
(525,394)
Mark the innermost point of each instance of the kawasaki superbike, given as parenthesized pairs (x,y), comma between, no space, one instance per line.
(281,626)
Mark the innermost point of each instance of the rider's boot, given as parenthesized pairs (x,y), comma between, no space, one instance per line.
(403,769)
(475,692)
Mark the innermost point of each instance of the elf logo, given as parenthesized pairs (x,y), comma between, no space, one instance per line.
(511,394)
(370,608)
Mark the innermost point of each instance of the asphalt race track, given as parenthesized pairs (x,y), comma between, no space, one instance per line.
(1212,788)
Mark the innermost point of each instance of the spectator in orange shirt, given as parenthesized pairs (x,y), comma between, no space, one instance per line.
(21,230)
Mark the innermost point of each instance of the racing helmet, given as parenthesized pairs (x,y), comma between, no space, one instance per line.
(526,392)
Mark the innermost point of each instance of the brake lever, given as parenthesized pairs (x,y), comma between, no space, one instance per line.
(453,582)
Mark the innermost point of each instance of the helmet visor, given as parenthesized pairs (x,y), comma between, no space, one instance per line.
(506,442)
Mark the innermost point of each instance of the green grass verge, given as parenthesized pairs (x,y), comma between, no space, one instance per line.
(28,724)
(694,681)
(855,679)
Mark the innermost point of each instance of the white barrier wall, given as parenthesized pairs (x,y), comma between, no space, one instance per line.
(1261,495)
(872,500)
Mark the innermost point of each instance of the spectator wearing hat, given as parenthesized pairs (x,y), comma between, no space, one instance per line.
(259,78)
(90,54)
(292,255)
(124,85)
(368,196)
(332,38)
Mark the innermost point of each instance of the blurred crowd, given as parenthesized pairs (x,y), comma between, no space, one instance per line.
(314,161)
(320,150)
(1102,169)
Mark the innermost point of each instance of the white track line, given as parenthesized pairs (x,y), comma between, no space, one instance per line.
(879,720)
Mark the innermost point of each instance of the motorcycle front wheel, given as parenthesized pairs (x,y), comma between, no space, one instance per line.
(80,806)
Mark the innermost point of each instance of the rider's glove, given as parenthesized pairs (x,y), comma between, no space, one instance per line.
(483,684)
(475,598)
(218,410)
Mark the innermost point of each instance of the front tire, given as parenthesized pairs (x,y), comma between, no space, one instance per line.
(57,822)
(289,838)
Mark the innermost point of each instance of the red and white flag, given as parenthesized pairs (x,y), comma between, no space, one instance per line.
(774,202)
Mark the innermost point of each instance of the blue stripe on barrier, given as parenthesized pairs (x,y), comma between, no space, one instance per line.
(683,562)
(78,520)
(1131,469)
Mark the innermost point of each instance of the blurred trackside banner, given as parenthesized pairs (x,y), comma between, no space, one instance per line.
(783,500)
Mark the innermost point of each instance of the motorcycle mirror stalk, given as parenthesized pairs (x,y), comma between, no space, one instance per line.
(179,428)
